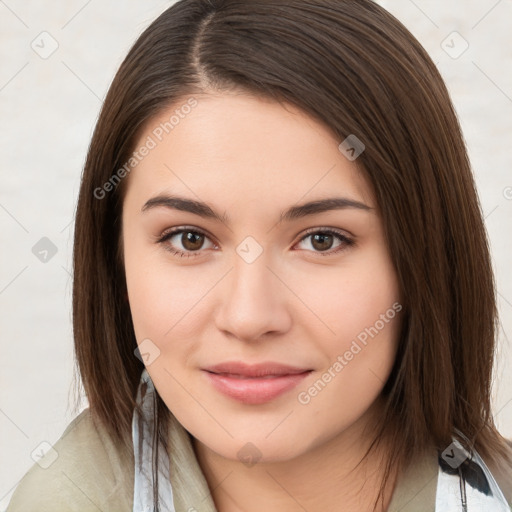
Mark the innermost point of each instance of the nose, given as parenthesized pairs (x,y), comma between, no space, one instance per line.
(253,301)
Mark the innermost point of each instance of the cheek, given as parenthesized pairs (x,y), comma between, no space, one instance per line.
(358,361)
(163,298)
(165,304)
(361,306)
(350,299)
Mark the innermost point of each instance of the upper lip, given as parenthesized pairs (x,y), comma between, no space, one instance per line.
(255,370)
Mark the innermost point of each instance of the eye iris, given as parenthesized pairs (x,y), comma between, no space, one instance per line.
(192,241)
(321,238)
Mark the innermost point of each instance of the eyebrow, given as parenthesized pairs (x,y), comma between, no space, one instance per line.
(294,212)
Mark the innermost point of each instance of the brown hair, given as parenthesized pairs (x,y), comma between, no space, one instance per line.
(358,70)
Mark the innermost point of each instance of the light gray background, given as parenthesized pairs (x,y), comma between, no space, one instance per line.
(48,108)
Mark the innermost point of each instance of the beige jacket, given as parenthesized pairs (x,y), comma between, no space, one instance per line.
(93,474)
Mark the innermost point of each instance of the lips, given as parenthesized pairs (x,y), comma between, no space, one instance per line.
(255,370)
(254,384)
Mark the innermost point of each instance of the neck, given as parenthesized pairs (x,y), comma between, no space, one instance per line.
(331,476)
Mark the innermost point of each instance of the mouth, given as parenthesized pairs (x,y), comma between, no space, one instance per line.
(254,384)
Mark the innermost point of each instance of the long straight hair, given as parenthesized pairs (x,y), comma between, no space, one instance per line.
(358,70)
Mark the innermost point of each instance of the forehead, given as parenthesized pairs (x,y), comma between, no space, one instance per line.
(234,145)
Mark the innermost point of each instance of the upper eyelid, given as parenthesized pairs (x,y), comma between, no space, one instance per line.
(181,229)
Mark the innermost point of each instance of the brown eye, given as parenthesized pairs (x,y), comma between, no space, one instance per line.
(323,240)
(184,242)
(191,240)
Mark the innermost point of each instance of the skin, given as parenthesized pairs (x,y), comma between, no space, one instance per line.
(250,159)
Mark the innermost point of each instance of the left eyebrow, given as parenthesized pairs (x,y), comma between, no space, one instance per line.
(295,212)
(322,205)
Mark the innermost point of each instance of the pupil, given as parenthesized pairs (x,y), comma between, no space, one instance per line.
(190,241)
(322,239)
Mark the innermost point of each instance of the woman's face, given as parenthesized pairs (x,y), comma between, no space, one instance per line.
(257,326)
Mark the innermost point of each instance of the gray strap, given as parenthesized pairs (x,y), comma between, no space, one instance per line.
(143,435)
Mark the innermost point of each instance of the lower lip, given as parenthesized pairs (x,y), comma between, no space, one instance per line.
(257,390)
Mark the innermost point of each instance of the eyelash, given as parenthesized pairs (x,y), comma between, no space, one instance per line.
(346,242)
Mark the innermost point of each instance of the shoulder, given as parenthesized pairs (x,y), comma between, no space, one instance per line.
(416,486)
(85,470)
(502,473)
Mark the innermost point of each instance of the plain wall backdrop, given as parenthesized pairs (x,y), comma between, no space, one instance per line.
(57,60)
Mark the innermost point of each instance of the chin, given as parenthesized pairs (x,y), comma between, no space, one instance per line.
(251,451)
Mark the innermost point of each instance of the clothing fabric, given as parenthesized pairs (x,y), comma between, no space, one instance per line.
(92,472)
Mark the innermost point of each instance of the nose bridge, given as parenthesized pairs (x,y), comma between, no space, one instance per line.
(251,302)
(251,275)
(251,278)
(251,285)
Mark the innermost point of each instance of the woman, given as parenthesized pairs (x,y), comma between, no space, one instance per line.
(283,296)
